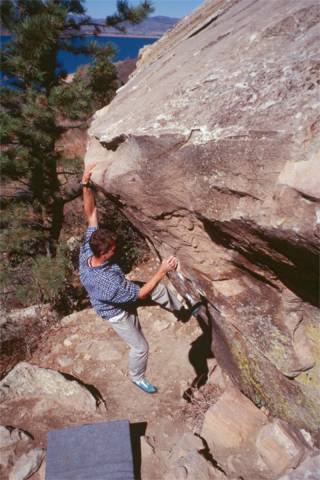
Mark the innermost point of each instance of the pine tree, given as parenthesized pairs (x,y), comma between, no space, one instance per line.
(36,104)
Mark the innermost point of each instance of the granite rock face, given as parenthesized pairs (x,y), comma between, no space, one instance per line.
(308,470)
(45,398)
(212,151)
(18,457)
(187,461)
(13,443)
(246,443)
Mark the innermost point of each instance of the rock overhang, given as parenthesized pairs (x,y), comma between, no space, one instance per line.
(220,131)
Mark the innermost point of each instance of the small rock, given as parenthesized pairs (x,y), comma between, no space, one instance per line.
(10,436)
(303,348)
(79,369)
(27,464)
(65,361)
(13,442)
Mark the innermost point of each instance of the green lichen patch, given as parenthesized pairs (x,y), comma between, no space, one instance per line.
(266,386)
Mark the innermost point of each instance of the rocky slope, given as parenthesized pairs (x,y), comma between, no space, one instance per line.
(212,151)
(78,375)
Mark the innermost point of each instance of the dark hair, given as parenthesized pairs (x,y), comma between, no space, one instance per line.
(101,241)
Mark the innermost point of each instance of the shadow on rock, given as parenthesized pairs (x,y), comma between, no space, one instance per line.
(201,350)
(92,389)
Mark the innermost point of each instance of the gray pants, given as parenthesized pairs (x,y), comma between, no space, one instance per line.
(129,329)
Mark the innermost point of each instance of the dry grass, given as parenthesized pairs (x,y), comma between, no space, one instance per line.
(199,401)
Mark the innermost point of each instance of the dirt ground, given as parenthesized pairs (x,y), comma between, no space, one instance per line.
(86,347)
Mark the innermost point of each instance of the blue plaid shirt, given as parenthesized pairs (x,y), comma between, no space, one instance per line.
(109,291)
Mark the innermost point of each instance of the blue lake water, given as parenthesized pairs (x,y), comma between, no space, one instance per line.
(126,48)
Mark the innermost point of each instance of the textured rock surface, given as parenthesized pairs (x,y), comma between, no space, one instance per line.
(225,427)
(18,457)
(13,443)
(31,396)
(308,470)
(74,347)
(187,462)
(279,447)
(212,150)
(27,464)
(246,444)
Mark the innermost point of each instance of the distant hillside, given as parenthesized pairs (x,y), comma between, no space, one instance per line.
(152,27)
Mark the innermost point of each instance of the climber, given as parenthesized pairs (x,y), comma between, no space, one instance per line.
(114,297)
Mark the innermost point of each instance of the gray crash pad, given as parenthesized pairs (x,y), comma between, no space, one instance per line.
(100,451)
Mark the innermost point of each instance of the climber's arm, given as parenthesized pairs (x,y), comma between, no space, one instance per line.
(166,266)
(89,201)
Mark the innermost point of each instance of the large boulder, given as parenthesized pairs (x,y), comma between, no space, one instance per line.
(41,399)
(246,443)
(212,151)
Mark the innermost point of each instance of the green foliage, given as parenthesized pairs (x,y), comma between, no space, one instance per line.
(100,73)
(20,235)
(49,275)
(37,105)
(126,12)
(36,280)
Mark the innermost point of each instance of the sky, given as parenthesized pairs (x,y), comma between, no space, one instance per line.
(169,8)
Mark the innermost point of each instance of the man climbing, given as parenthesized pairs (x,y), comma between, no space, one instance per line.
(113,296)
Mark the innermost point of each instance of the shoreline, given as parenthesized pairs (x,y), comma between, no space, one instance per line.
(123,36)
(112,35)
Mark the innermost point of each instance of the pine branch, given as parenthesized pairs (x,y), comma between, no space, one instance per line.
(35,103)
(127,13)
